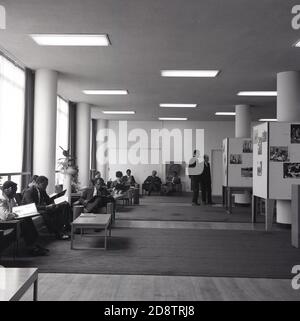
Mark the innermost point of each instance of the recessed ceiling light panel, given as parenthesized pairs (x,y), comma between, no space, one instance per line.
(178,105)
(70,40)
(258,93)
(172,118)
(225,113)
(189,73)
(105,92)
(267,119)
(118,112)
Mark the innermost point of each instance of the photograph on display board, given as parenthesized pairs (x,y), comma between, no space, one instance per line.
(259,169)
(247,172)
(235,159)
(264,136)
(279,154)
(295,134)
(247,146)
(259,151)
(255,136)
(291,170)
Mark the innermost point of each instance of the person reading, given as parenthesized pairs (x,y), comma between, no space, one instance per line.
(27,227)
(57,217)
(95,198)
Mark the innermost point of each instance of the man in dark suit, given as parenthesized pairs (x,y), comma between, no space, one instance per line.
(57,217)
(152,183)
(205,180)
(95,198)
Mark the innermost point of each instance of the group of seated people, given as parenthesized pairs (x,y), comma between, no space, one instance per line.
(57,217)
(154,184)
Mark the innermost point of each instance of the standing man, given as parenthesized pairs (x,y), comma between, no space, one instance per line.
(195,169)
(206,182)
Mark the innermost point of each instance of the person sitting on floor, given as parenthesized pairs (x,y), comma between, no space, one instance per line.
(95,198)
(57,217)
(171,184)
(152,183)
(129,178)
(27,227)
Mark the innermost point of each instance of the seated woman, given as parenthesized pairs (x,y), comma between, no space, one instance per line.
(119,184)
(152,183)
(171,184)
(129,178)
(95,198)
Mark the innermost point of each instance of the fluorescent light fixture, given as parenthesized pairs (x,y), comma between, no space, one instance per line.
(70,40)
(189,73)
(118,112)
(267,119)
(297,44)
(172,118)
(225,113)
(105,92)
(258,93)
(178,105)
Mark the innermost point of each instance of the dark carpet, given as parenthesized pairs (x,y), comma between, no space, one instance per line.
(185,212)
(223,253)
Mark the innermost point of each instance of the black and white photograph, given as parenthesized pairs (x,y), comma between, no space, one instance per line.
(259,168)
(259,146)
(295,134)
(255,136)
(236,159)
(136,139)
(279,154)
(247,172)
(247,146)
(264,136)
(291,170)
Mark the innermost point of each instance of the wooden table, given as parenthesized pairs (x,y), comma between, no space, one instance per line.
(91,221)
(14,282)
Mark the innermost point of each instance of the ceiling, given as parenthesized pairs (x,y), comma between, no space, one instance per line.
(249,41)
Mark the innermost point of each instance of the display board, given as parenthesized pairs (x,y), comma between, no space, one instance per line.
(237,162)
(280,159)
(260,160)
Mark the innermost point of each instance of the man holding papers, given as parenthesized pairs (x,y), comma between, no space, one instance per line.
(57,217)
(28,230)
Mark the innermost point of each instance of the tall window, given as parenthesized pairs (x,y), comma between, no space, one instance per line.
(12,108)
(62,132)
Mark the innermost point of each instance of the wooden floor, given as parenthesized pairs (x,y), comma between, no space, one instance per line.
(78,287)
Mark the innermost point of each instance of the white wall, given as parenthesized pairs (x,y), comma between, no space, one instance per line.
(214,132)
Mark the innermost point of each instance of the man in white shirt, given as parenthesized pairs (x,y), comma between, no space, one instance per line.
(195,169)
(28,230)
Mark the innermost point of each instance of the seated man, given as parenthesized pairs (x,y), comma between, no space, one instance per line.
(96,176)
(95,198)
(152,183)
(57,217)
(28,230)
(171,184)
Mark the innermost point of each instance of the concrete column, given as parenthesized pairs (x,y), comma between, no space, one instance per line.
(243,130)
(288,109)
(102,156)
(45,111)
(83,144)
(242,121)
